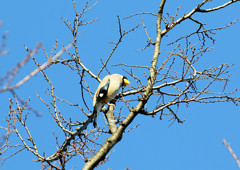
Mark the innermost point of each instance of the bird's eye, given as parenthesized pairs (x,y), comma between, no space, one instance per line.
(125,81)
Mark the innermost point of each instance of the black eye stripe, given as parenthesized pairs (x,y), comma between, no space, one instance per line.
(124,78)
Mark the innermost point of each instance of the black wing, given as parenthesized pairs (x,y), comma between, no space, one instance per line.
(103,91)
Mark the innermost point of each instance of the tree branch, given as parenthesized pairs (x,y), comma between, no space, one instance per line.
(117,136)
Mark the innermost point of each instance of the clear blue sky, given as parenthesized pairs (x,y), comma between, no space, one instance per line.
(194,145)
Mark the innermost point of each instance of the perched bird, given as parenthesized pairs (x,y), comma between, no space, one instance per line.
(106,91)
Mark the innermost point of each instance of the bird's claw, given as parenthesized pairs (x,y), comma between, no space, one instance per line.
(110,104)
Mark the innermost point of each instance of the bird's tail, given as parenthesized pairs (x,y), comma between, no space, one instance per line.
(97,108)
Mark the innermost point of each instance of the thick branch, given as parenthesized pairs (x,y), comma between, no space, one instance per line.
(117,136)
(111,119)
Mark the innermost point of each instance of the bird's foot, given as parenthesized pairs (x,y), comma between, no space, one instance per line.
(110,104)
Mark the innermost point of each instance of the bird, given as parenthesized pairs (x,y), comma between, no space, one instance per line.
(107,91)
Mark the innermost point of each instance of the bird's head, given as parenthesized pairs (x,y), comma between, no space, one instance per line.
(125,81)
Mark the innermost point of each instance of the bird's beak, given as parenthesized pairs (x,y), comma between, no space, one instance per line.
(126,82)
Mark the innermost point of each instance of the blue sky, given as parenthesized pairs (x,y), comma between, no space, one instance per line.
(194,145)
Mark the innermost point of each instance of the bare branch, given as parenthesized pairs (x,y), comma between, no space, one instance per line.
(195,10)
(142,13)
(116,137)
(231,152)
(218,7)
(116,44)
(33,73)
